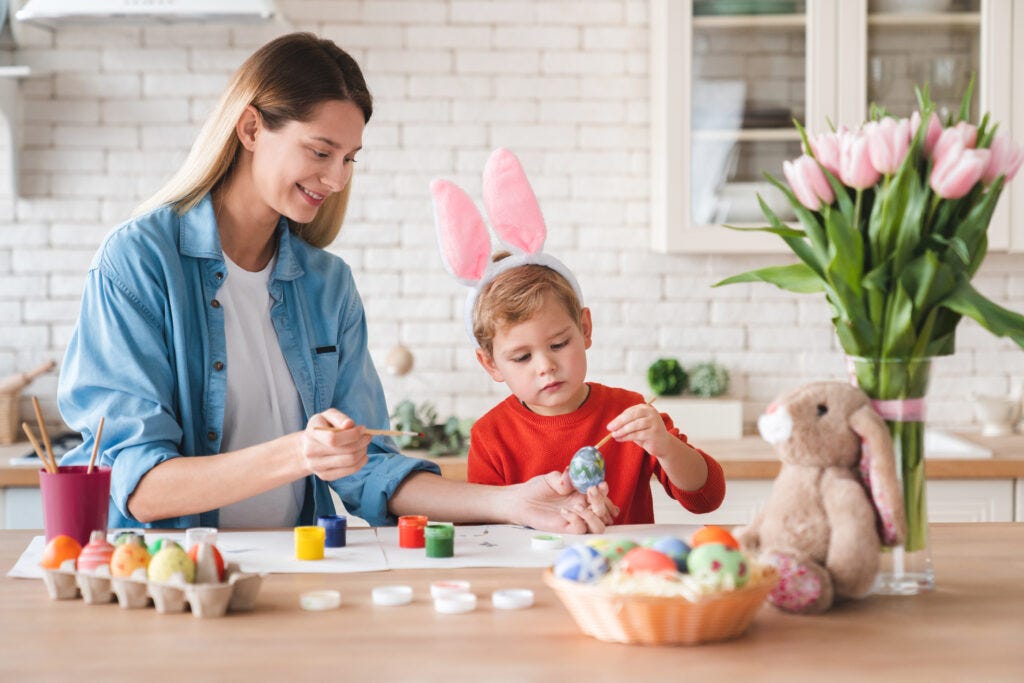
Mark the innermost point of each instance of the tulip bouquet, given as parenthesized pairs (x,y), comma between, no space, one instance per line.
(893,219)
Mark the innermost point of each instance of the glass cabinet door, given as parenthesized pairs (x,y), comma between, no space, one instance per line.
(912,42)
(748,66)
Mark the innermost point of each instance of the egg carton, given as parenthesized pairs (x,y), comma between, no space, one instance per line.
(236,594)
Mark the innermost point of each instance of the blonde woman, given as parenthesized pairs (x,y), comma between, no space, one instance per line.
(216,335)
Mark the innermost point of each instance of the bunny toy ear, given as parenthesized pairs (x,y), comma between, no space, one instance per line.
(461,235)
(878,468)
(511,204)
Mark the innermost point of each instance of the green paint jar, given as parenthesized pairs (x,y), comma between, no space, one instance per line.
(440,539)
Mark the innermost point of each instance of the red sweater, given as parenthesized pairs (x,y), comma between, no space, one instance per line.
(511,444)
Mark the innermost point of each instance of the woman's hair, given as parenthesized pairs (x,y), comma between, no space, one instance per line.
(285,80)
(516,296)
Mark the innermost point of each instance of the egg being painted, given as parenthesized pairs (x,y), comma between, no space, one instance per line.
(586,468)
(580,563)
(715,562)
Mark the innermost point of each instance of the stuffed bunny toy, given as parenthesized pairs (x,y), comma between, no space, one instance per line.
(515,215)
(835,501)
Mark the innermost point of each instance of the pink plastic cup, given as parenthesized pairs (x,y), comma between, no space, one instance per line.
(75,503)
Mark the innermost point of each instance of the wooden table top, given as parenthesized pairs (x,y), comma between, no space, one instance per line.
(968,629)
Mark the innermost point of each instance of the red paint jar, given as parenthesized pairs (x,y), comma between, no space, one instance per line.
(410,531)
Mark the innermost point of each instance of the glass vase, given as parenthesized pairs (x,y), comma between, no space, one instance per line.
(897,387)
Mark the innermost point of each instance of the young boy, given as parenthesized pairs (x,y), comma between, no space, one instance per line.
(533,333)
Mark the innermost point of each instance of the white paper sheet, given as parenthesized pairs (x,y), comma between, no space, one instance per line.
(490,545)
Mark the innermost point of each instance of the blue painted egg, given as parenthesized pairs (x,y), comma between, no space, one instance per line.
(714,561)
(586,468)
(580,563)
(673,547)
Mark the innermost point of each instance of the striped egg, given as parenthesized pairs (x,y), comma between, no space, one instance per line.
(96,553)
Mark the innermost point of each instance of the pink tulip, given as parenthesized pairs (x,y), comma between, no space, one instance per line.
(826,150)
(855,167)
(808,182)
(931,135)
(962,133)
(1006,159)
(959,169)
(888,142)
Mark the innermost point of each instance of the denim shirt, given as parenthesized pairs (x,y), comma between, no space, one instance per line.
(148,354)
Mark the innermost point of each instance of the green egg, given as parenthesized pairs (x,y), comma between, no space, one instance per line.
(167,561)
(714,561)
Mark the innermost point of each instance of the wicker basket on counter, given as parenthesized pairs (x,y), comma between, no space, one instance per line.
(653,620)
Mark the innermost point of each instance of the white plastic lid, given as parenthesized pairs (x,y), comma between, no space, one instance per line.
(440,589)
(316,601)
(456,603)
(392,595)
(512,598)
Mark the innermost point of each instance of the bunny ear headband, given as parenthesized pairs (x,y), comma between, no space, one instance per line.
(515,216)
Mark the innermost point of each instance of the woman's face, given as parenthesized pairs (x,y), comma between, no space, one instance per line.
(296,167)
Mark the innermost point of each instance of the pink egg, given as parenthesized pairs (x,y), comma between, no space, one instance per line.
(96,553)
(647,561)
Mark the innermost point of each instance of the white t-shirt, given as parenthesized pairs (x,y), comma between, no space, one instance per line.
(262,402)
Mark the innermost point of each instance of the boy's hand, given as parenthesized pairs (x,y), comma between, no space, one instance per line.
(550,503)
(334,454)
(642,424)
(600,504)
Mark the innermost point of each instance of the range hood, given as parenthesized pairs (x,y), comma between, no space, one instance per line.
(57,13)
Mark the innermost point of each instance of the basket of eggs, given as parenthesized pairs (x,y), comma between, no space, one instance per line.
(664,592)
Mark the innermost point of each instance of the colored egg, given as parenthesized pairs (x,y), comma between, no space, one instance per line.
(713,534)
(647,561)
(713,562)
(671,546)
(122,537)
(60,549)
(209,563)
(96,553)
(169,560)
(586,468)
(128,557)
(156,545)
(580,563)
(612,548)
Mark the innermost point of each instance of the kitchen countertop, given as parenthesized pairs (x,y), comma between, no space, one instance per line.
(749,457)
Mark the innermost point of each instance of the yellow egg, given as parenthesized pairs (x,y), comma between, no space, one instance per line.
(127,558)
(169,560)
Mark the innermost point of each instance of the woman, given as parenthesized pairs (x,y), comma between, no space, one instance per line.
(214,324)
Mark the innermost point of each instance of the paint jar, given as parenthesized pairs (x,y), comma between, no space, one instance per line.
(410,531)
(309,542)
(334,529)
(440,539)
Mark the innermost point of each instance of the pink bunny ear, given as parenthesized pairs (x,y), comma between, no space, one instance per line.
(511,204)
(461,235)
(878,470)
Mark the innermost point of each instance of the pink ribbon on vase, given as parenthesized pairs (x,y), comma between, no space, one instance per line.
(900,410)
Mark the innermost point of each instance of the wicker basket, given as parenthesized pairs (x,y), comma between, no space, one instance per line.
(654,620)
(9,414)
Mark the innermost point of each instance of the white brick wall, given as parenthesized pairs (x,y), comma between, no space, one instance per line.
(564,84)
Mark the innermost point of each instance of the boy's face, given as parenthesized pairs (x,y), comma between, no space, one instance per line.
(543,360)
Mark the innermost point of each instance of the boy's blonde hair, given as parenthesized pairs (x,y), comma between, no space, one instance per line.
(516,296)
(285,80)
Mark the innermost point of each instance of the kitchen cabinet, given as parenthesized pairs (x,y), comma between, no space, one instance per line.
(727,82)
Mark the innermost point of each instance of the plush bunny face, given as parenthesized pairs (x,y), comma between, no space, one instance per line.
(811,425)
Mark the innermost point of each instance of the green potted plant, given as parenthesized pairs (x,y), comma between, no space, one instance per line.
(705,414)
(450,437)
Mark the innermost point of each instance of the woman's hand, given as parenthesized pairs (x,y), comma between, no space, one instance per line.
(550,502)
(330,454)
